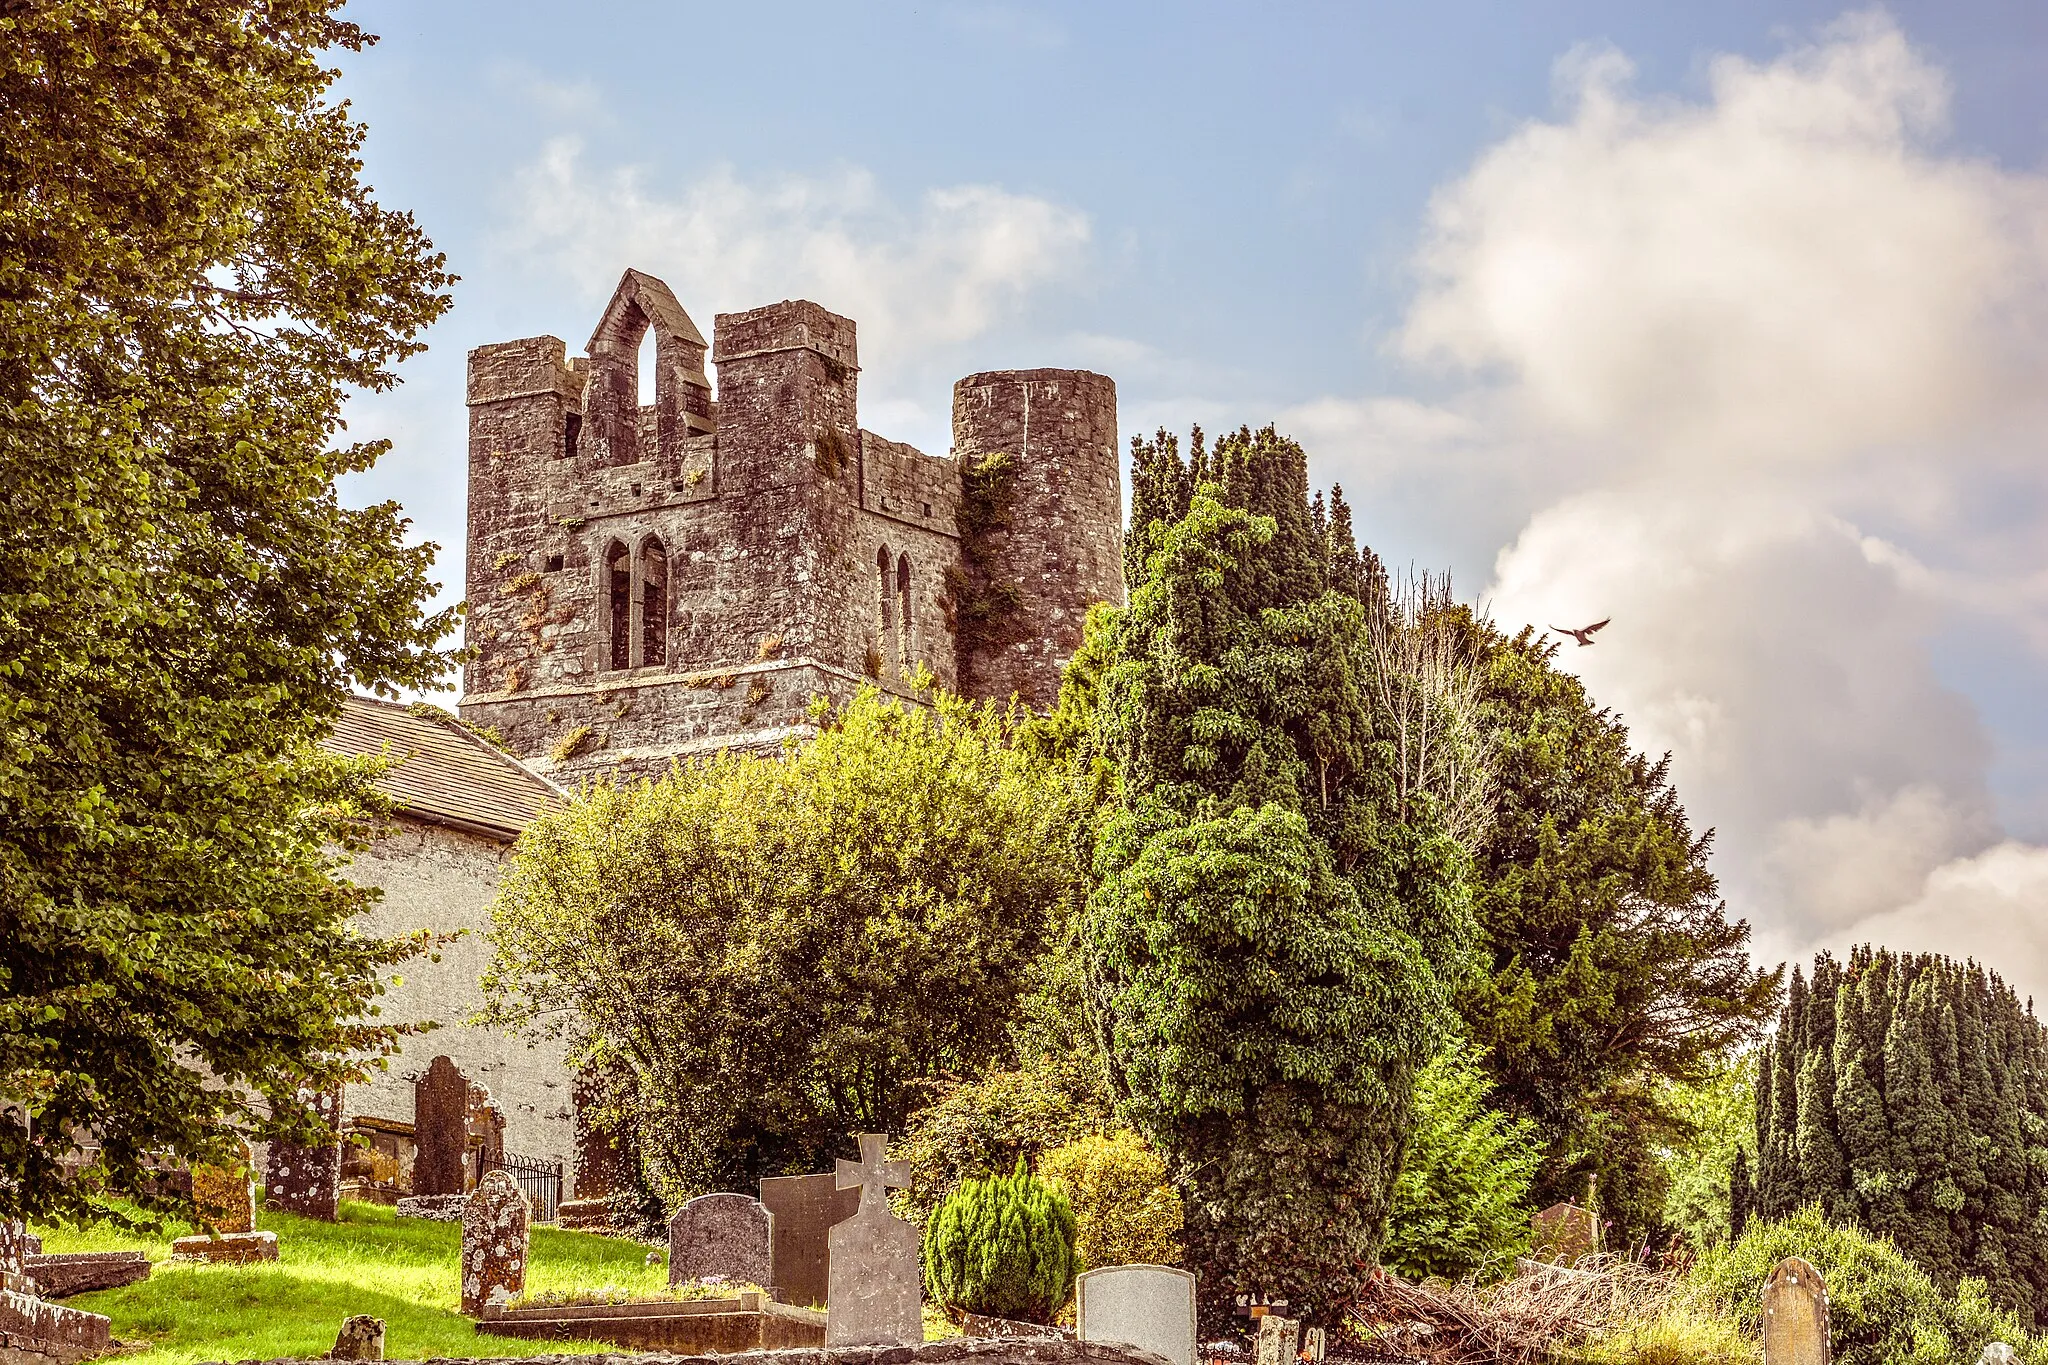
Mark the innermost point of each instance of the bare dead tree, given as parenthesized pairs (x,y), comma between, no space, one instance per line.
(1427,660)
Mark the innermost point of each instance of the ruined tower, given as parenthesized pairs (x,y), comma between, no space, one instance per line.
(656,575)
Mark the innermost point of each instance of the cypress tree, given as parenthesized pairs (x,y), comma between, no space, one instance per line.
(1741,1195)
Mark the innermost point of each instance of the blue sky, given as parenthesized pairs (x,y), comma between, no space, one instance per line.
(1729,321)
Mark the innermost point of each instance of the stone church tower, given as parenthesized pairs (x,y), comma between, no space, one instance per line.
(654,576)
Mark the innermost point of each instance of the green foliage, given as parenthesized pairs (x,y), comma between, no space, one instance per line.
(774,955)
(1274,930)
(1461,1204)
(987,1125)
(1909,1094)
(1125,1212)
(194,278)
(1613,966)
(1002,1246)
(1882,1308)
(1718,1117)
(980,606)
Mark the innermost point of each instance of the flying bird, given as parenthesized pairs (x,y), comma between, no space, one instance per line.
(1584,634)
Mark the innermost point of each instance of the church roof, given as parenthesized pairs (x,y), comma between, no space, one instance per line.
(445,774)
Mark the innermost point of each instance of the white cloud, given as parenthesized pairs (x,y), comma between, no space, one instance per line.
(1993,907)
(965,258)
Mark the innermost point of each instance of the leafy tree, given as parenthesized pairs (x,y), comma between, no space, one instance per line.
(1273,930)
(1613,965)
(1905,1093)
(1717,1116)
(192,276)
(985,1126)
(1461,1204)
(777,954)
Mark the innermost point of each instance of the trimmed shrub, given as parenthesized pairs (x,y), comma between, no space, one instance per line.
(1125,1210)
(1003,1247)
(1882,1309)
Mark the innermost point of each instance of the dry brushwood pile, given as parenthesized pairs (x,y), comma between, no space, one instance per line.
(1520,1321)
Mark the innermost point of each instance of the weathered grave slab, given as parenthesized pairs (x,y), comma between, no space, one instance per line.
(440,1123)
(1563,1233)
(230,1248)
(806,1208)
(1795,1315)
(875,1286)
(225,1196)
(33,1332)
(1151,1307)
(495,1233)
(307,1180)
(745,1322)
(81,1272)
(721,1234)
(1279,1340)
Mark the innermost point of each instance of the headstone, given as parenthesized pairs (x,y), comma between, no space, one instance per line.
(874,1285)
(14,1254)
(361,1338)
(1279,1340)
(1795,1315)
(805,1208)
(494,1242)
(1997,1353)
(440,1124)
(307,1180)
(721,1234)
(1562,1233)
(1151,1307)
(600,1166)
(225,1196)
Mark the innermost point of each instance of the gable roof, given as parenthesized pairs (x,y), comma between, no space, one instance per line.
(445,774)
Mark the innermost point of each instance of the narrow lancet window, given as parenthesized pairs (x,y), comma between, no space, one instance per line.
(653,604)
(618,568)
(903,612)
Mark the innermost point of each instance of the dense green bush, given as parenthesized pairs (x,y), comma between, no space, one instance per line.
(1461,1204)
(1004,1247)
(1882,1309)
(1125,1209)
(984,1126)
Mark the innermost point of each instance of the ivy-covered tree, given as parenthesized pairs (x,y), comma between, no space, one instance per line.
(1274,932)
(1908,1093)
(192,277)
(1613,965)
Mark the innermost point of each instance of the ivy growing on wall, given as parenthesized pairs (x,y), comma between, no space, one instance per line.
(981,605)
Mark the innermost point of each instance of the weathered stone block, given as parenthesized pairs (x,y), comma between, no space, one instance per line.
(230,1248)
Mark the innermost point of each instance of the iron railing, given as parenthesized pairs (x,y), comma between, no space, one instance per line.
(539,1177)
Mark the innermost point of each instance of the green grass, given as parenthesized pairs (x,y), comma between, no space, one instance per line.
(403,1270)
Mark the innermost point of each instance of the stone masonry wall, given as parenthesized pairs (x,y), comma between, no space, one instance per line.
(753,528)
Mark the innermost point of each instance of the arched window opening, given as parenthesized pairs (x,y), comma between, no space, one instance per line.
(648,385)
(903,612)
(883,594)
(618,568)
(653,604)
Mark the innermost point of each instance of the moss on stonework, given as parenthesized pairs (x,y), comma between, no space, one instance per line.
(981,606)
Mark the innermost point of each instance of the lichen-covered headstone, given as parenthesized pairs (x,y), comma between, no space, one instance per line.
(1279,1340)
(361,1338)
(1997,1353)
(1795,1315)
(876,1287)
(225,1196)
(14,1256)
(494,1242)
(1151,1307)
(720,1234)
(440,1128)
(307,1180)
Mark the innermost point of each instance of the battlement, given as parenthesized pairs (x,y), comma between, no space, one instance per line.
(649,579)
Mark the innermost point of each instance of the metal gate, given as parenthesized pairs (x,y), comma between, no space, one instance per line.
(539,1177)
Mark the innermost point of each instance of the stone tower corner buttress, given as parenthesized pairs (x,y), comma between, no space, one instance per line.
(1041,524)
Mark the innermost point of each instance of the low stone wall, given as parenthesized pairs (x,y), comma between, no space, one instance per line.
(692,1328)
(36,1333)
(81,1272)
(953,1352)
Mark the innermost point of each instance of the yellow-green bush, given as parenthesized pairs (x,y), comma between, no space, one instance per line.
(1126,1210)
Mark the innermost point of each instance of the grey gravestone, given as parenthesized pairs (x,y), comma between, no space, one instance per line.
(440,1128)
(1997,1353)
(1151,1307)
(1795,1315)
(307,1180)
(721,1234)
(806,1208)
(875,1287)
(494,1243)
(1279,1341)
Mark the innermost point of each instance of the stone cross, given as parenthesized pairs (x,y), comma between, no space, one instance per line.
(494,1242)
(1151,1307)
(1795,1315)
(307,1180)
(721,1234)
(875,1293)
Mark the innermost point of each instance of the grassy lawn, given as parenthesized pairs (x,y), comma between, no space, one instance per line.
(401,1270)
